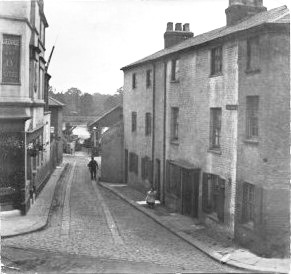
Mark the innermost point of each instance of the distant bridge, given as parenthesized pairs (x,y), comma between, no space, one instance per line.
(79,120)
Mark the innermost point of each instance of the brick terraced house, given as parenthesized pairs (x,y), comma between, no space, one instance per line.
(207,122)
(25,148)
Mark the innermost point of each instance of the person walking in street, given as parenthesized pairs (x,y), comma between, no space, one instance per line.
(93,166)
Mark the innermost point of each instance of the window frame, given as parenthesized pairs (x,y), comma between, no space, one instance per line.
(133,81)
(18,81)
(175,70)
(216,66)
(252,117)
(148,78)
(174,124)
(215,128)
(148,123)
(253,54)
(133,121)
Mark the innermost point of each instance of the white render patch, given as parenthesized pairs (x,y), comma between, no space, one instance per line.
(157,202)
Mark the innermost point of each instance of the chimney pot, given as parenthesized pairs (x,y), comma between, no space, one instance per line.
(186,27)
(178,27)
(170,26)
(239,10)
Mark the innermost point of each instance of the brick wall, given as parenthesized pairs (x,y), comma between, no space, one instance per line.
(112,155)
(137,100)
(266,164)
(194,95)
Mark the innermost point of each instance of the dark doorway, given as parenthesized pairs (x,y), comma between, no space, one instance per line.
(125,166)
(190,192)
(158,178)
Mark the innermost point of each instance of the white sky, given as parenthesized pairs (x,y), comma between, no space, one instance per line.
(95,38)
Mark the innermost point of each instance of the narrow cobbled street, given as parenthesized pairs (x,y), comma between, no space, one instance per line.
(92,230)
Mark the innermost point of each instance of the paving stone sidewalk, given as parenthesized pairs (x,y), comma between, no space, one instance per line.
(203,238)
(13,224)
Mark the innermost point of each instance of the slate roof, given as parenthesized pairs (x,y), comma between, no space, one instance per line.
(55,103)
(103,114)
(278,15)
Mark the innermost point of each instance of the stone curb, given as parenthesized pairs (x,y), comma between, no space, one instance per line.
(197,244)
(44,221)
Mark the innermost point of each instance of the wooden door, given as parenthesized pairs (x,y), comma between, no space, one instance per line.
(126,166)
(190,192)
(187,192)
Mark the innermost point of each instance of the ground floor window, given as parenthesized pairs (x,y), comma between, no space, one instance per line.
(213,195)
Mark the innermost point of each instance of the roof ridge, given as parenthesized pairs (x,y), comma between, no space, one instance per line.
(261,18)
(56,101)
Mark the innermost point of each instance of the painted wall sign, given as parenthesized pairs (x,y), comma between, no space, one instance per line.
(231,107)
(11,59)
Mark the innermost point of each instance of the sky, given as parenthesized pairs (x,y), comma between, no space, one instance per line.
(94,38)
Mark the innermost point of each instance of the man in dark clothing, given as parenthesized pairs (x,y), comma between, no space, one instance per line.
(93,166)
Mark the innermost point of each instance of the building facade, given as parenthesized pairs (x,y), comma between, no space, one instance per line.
(108,133)
(56,129)
(25,121)
(207,122)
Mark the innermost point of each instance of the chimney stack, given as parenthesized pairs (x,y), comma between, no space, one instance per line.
(239,10)
(178,27)
(186,27)
(173,37)
(170,26)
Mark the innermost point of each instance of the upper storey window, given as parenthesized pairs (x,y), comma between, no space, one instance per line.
(11,59)
(253,54)
(148,78)
(216,61)
(133,80)
(175,70)
(252,113)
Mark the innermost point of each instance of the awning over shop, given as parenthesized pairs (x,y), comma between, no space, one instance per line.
(33,134)
(184,164)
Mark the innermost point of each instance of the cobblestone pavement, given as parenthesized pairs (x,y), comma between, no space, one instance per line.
(83,237)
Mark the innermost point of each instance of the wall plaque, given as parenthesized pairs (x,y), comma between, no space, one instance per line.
(11,59)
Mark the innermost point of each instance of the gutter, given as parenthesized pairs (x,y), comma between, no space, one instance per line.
(265,26)
(153,125)
(164,132)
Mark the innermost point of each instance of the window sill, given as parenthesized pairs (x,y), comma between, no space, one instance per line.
(10,84)
(174,81)
(215,151)
(174,142)
(216,74)
(251,141)
(252,71)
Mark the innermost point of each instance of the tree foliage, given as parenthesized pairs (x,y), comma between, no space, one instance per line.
(85,104)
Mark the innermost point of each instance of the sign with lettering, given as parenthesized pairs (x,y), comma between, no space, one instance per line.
(231,107)
(11,59)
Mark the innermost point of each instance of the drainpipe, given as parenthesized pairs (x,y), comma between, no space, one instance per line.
(153,125)
(164,131)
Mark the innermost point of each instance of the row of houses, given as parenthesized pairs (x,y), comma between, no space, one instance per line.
(207,123)
(30,143)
